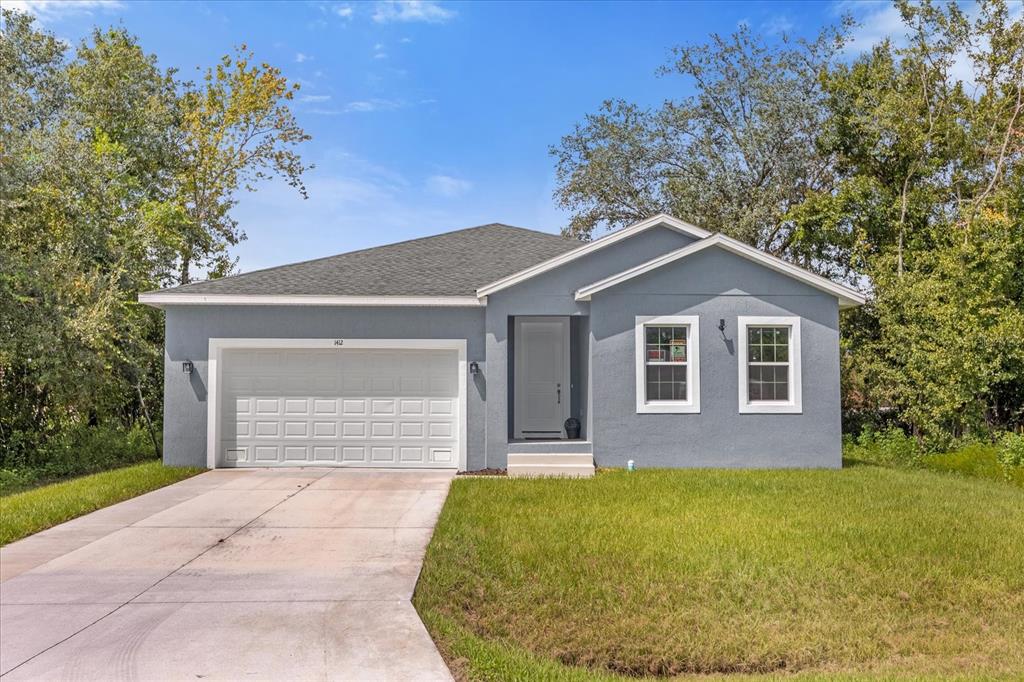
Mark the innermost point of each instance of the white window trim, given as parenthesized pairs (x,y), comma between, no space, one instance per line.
(792,406)
(690,406)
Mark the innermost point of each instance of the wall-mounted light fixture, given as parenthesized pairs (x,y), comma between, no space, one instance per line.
(474,367)
(187,367)
(721,325)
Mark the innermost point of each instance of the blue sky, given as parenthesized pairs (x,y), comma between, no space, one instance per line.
(432,116)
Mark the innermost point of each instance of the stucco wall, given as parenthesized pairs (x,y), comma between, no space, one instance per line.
(189,329)
(553,293)
(714,284)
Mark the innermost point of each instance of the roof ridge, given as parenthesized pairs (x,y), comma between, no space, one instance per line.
(368,248)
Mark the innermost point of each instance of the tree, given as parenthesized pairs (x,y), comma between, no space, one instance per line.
(102,156)
(928,186)
(735,157)
(237,131)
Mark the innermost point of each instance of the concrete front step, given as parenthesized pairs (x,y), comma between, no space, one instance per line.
(550,446)
(550,458)
(563,470)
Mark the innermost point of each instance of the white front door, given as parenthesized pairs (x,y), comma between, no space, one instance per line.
(541,376)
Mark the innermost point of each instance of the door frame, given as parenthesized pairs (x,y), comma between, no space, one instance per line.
(215,366)
(519,364)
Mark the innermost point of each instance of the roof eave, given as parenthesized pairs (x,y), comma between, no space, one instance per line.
(847,297)
(161,299)
(661,219)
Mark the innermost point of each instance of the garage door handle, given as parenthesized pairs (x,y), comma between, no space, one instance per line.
(559,389)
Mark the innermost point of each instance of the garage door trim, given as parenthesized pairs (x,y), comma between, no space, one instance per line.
(219,345)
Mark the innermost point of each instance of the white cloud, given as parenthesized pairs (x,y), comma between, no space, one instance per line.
(343,11)
(405,40)
(447,186)
(428,11)
(881,20)
(361,107)
(302,57)
(378,51)
(777,25)
(45,10)
(315,98)
(374,104)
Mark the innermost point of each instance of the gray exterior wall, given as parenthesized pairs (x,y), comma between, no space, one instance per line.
(553,293)
(190,328)
(714,284)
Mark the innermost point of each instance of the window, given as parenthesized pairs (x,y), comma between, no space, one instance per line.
(769,364)
(667,364)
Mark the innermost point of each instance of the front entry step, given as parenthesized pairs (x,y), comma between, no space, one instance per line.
(576,465)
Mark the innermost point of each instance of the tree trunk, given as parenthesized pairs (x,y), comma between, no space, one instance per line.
(186,262)
(149,422)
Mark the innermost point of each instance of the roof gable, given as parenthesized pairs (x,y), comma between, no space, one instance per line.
(848,297)
(660,220)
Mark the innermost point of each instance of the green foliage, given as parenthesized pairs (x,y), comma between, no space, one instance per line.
(738,155)
(98,160)
(976,460)
(75,450)
(25,513)
(1011,452)
(890,446)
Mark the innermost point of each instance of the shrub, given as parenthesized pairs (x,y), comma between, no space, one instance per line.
(1011,454)
(78,450)
(891,446)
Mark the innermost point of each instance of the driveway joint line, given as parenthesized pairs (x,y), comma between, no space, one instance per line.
(129,601)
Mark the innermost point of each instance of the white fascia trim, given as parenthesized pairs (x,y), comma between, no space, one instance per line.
(661,219)
(848,298)
(690,406)
(159,299)
(795,403)
(215,368)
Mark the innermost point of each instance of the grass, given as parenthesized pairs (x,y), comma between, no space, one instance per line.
(864,573)
(25,513)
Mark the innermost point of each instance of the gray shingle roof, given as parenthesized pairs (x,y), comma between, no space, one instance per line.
(450,264)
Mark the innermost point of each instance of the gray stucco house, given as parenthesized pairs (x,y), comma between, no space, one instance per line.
(672,346)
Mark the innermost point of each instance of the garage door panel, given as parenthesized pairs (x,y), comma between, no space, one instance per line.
(342,407)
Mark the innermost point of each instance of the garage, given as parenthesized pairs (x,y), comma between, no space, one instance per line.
(337,402)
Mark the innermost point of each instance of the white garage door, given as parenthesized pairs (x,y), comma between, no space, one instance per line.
(351,407)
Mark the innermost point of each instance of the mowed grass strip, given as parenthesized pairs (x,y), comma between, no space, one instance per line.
(861,571)
(22,514)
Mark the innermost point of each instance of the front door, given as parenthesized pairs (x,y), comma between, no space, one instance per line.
(541,376)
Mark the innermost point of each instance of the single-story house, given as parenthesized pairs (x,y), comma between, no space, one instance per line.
(665,344)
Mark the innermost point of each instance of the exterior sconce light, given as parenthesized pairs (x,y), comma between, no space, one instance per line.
(474,367)
(187,367)
(721,325)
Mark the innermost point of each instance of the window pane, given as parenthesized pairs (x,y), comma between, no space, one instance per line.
(666,382)
(665,343)
(754,390)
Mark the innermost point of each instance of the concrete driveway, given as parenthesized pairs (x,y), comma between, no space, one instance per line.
(233,574)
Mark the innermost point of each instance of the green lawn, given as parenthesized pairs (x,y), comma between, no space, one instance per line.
(28,512)
(864,573)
